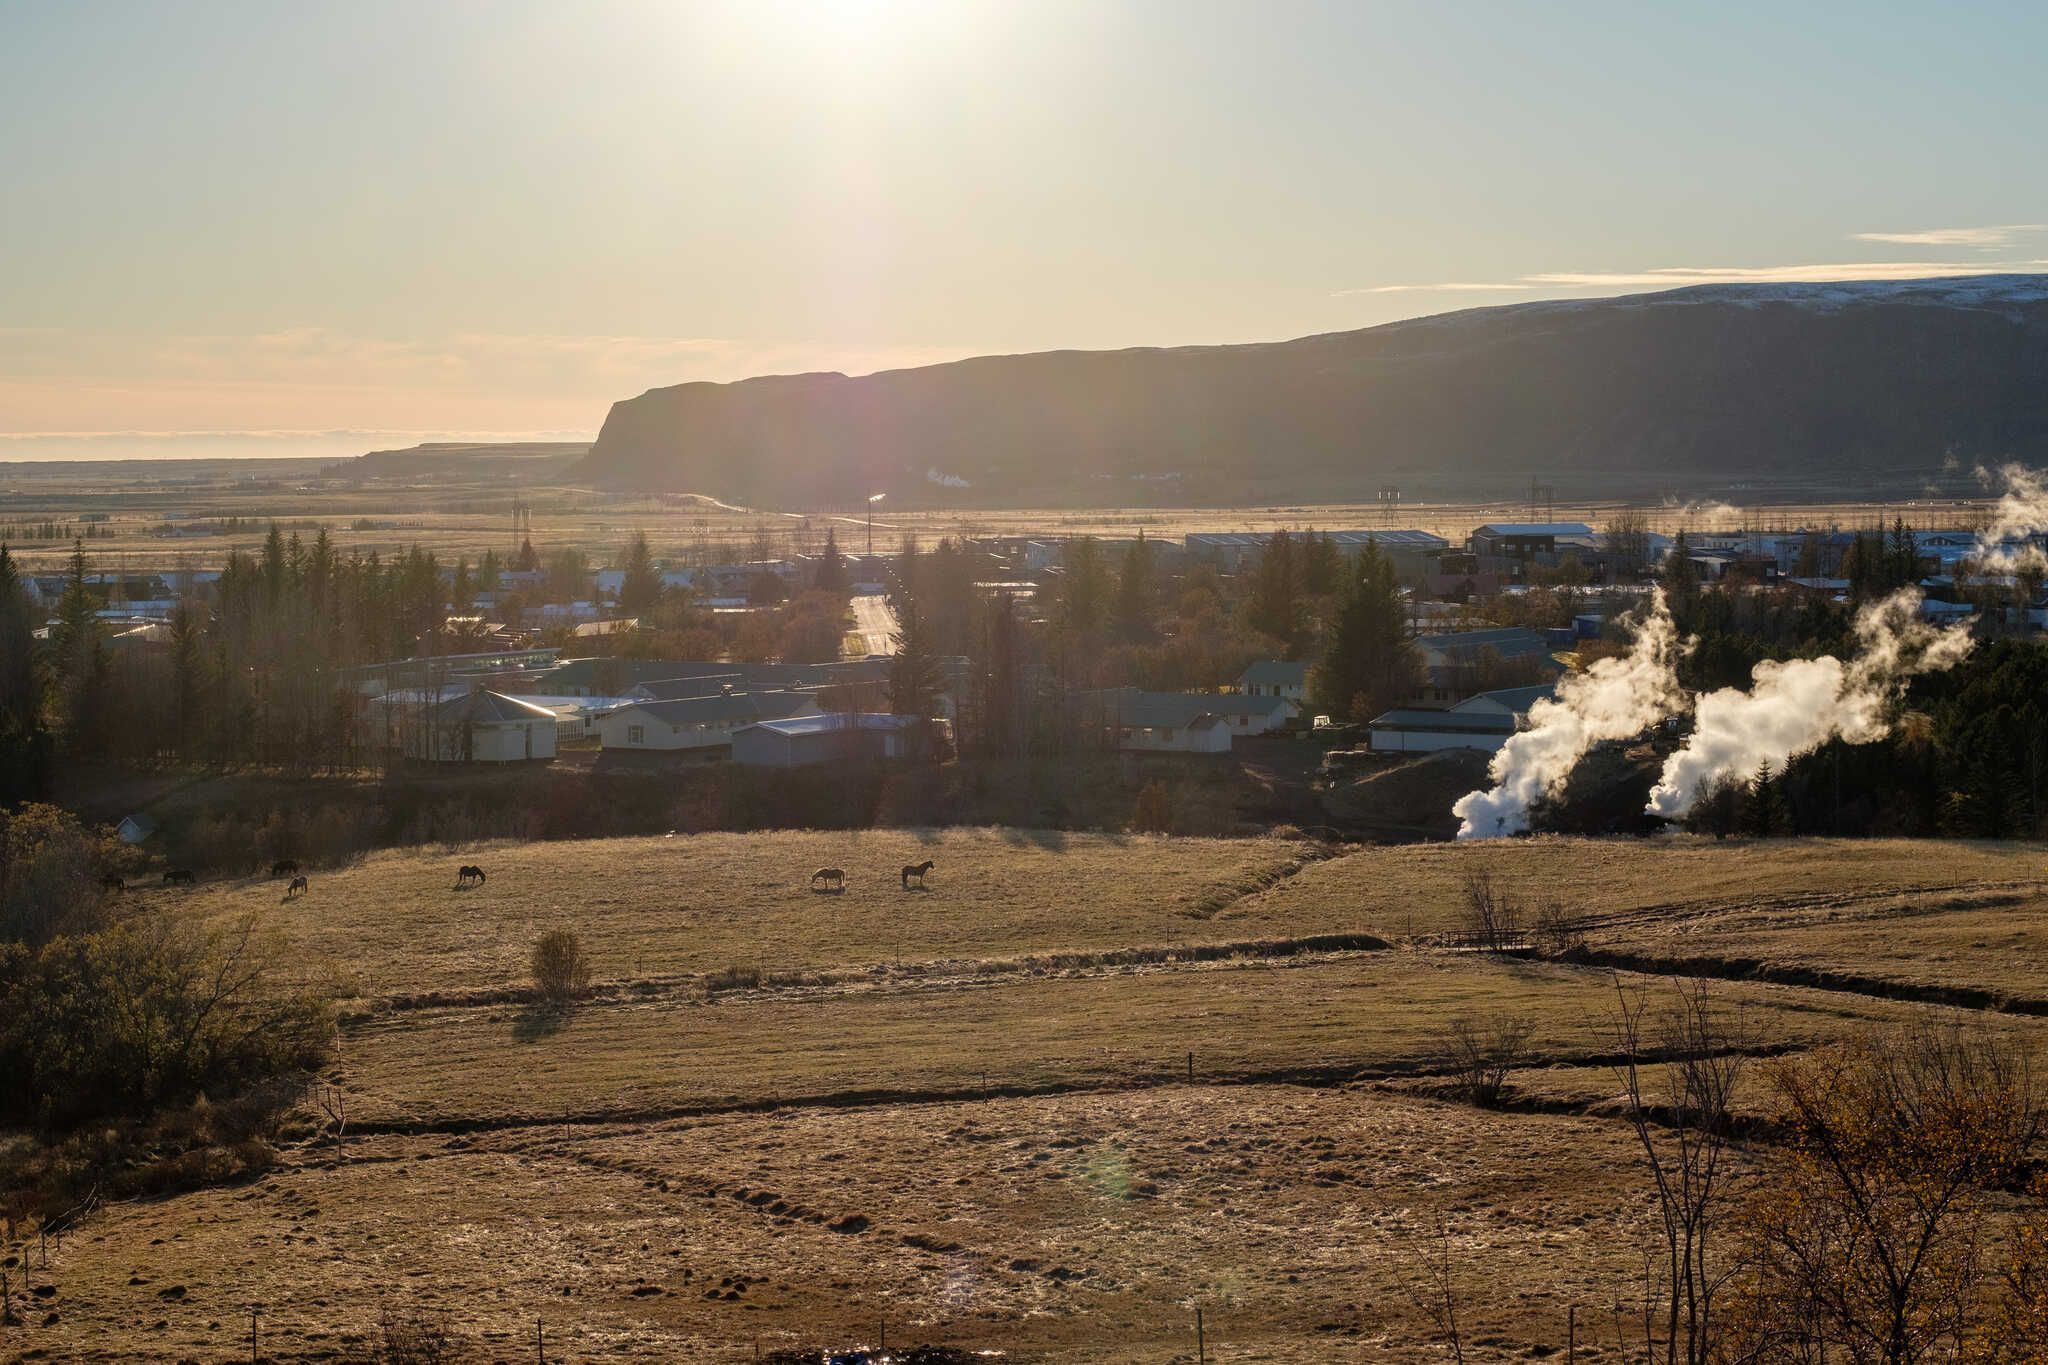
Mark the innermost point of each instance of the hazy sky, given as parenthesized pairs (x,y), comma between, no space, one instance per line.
(441,218)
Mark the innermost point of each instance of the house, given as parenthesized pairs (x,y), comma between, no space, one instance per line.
(1511,546)
(481,727)
(832,736)
(1275,678)
(1182,722)
(1458,664)
(1482,722)
(133,829)
(703,726)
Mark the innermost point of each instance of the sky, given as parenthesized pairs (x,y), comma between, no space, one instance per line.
(261,228)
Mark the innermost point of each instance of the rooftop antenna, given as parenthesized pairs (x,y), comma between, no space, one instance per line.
(522,522)
(1390,503)
(873,498)
(1544,496)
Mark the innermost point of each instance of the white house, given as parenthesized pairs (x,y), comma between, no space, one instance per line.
(698,723)
(133,829)
(1275,678)
(481,727)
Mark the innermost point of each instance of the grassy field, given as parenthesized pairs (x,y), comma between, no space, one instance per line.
(453,517)
(794,1118)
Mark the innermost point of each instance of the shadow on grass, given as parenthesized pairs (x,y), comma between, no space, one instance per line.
(540,1019)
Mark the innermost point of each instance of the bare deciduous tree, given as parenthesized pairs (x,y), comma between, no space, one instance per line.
(1430,1282)
(1479,1054)
(1492,918)
(1679,1072)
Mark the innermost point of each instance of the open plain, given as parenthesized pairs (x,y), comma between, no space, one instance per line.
(1076,1090)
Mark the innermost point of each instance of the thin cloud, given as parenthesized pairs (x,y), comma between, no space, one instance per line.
(1677,276)
(1962,236)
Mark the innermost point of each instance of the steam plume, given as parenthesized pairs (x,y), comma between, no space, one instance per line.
(1800,704)
(1613,699)
(2006,545)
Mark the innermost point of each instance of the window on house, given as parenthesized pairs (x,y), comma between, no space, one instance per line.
(636,734)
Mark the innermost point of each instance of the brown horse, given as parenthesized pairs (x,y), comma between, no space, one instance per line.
(179,876)
(284,867)
(112,882)
(468,873)
(832,875)
(916,870)
(298,884)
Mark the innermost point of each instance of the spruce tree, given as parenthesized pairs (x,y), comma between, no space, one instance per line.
(1134,591)
(1370,665)
(642,586)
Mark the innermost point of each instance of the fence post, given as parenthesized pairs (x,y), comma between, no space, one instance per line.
(540,1347)
(1571,1335)
(1191,1066)
(1201,1340)
(253,1358)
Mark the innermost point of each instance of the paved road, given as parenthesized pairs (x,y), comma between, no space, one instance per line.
(874,625)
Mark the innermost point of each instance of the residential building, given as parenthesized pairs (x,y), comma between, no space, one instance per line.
(1275,678)
(480,727)
(701,726)
(1182,722)
(828,737)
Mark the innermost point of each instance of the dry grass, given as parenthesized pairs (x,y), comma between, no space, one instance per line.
(816,1128)
(1076,1228)
(662,909)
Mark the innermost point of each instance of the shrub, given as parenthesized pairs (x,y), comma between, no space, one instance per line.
(1480,1054)
(1492,917)
(1154,811)
(560,971)
(149,1013)
(50,866)
(414,1339)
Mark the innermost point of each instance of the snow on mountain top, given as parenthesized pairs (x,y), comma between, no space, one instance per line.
(1992,292)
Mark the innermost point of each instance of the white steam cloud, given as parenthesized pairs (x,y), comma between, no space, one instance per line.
(2007,544)
(1613,699)
(1797,705)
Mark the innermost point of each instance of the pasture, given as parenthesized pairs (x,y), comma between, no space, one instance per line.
(1076,1089)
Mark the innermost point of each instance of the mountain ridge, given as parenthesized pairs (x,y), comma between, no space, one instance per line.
(1805,381)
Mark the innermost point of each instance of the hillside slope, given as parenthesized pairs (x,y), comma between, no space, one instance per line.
(1848,386)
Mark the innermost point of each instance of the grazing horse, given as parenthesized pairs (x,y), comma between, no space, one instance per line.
(916,870)
(828,874)
(469,873)
(283,867)
(179,876)
(112,882)
(297,884)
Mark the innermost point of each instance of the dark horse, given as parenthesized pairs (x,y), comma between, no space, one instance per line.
(469,873)
(179,876)
(916,870)
(297,884)
(112,882)
(283,867)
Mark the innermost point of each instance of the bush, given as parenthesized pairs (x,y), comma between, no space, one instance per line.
(560,971)
(1479,1056)
(414,1339)
(50,866)
(150,1013)
(1492,916)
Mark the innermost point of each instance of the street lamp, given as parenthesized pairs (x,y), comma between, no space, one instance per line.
(873,498)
